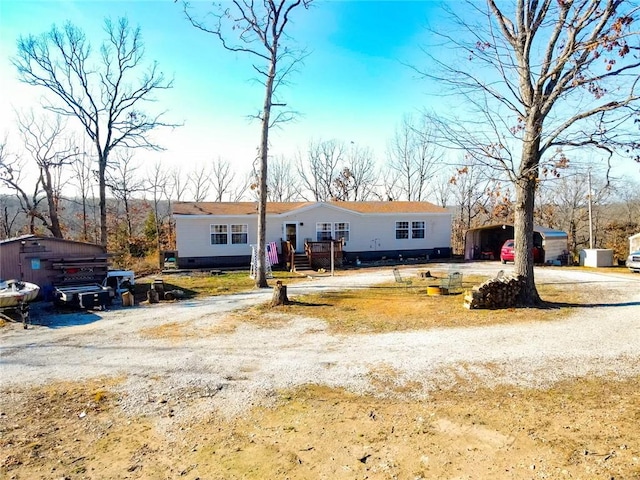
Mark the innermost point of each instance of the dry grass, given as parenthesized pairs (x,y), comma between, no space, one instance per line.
(204,284)
(622,270)
(393,307)
(173,331)
(584,429)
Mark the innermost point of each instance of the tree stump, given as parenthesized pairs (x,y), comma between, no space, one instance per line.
(279,295)
(152,295)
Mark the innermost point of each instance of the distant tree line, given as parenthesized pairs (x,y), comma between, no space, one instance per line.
(141,195)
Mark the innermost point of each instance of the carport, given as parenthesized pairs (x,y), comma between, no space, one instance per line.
(484,243)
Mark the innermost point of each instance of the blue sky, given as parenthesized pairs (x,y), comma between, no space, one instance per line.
(354,86)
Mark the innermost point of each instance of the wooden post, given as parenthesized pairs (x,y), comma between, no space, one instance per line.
(279,294)
(333,261)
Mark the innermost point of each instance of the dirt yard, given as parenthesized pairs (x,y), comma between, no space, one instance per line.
(96,396)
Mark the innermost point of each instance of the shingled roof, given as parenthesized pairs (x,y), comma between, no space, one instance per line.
(278,208)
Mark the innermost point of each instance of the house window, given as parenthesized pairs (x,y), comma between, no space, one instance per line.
(239,234)
(417,229)
(219,234)
(341,231)
(323,231)
(402,230)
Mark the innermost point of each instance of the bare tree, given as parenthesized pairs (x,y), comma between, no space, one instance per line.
(158,184)
(52,152)
(469,187)
(320,167)
(414,156)
(106,96)
(389,188)
(566,206)
(222,177)
(199,181)
(282,183)
(7,217)
(357,180)
(84,180)
(12,175)
(258,29)
(179,184)
(537,76)
(241,188)
(629,196)
(622,217)
(122,180)
(442,188)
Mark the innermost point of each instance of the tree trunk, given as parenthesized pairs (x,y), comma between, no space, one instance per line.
(279,295)
(103,158)
(85,222)
(103,200)
(526,186)
(54,227)
(261,276)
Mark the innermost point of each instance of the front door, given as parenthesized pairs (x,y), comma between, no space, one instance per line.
(291,234)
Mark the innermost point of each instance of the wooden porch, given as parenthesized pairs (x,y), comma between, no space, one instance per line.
(317,255)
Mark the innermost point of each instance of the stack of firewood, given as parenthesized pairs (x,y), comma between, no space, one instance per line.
(495,293)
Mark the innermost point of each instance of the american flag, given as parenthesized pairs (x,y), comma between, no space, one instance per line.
(272,253)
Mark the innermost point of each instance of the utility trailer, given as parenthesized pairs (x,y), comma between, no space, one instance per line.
(89,297)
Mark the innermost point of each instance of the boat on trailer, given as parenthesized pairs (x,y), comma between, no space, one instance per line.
(15,292)
(16,295)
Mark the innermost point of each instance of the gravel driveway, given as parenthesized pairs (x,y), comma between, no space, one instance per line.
(231,371)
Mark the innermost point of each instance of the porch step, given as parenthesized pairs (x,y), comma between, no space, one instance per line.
(301,262)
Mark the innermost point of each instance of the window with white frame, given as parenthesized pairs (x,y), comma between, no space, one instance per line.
(239,234)
(402,230)
(323,231)
(219,234)
(417,229)
(341,230)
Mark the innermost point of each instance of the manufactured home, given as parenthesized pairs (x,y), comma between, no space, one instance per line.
(219,234)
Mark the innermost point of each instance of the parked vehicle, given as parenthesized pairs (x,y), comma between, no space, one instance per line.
(633,261)
(508,252)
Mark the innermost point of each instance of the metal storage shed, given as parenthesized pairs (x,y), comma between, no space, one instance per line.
(485,242)
(48,261)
